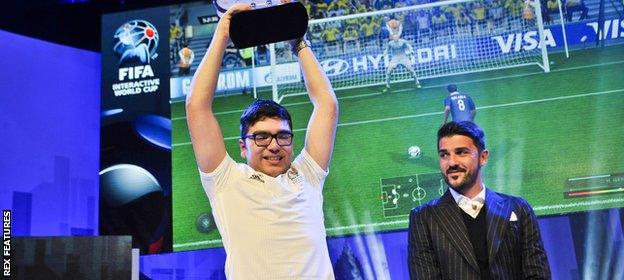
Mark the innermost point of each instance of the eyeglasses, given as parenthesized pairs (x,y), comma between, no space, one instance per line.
(263,139)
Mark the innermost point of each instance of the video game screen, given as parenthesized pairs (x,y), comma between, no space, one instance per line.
(549,105)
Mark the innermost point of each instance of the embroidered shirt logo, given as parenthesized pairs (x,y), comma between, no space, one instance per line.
(292,173)
(257,178)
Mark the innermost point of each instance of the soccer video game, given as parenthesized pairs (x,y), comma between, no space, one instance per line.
(549,105)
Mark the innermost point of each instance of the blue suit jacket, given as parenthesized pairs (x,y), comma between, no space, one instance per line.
(439,246)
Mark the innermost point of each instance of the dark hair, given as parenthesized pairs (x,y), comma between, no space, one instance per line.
(259,110)
(465,128)
(451,87)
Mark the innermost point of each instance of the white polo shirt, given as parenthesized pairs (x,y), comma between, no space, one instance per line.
(272,228)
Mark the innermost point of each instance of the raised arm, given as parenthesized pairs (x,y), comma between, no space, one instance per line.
(321,131)
(204,129)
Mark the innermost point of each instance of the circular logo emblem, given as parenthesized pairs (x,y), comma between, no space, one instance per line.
(135,41)
(334,67)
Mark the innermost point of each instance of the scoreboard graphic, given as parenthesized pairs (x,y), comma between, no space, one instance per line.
(594,185)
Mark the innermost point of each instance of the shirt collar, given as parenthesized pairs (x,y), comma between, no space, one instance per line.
(459,198)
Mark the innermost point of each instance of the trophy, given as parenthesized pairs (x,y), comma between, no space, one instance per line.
(267,22)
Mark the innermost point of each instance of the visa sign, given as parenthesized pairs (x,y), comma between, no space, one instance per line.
(527,41)
(613,29)
(576,33)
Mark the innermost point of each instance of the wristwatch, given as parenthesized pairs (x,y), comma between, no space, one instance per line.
(300,45)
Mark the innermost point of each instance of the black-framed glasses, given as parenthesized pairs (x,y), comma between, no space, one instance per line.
(263,139)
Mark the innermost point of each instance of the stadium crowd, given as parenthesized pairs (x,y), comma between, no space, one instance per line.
(356,34)
(478,16)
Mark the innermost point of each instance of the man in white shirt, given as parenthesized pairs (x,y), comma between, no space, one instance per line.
(269,211)
(472,232)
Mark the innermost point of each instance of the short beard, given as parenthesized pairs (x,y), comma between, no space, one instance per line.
(469,181)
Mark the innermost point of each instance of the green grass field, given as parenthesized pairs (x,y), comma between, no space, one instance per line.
(542,129)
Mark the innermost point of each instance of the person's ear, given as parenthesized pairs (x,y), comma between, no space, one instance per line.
(243,148)
(483,157)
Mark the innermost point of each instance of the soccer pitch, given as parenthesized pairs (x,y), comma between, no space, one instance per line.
(554,138)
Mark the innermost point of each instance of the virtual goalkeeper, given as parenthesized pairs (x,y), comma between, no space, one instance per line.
(398,52)
(269,211)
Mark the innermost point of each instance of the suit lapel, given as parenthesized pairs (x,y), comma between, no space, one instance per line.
(498,214)
(450,220)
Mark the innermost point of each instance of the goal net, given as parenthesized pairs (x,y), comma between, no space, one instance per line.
(446,38)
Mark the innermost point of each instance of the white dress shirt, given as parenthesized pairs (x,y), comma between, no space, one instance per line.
(472,206)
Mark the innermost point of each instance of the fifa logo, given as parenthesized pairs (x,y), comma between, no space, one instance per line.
(135,42)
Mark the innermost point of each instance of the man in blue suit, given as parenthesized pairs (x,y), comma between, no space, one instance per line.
(472,232)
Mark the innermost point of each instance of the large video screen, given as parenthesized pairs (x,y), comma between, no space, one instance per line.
(554,136)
